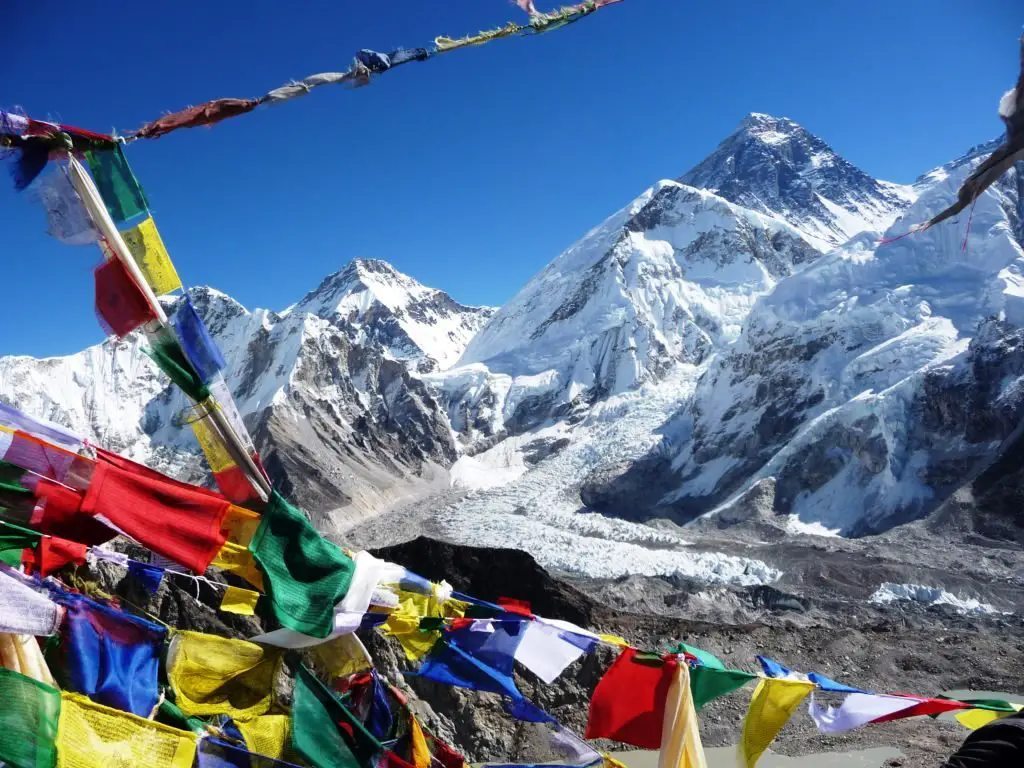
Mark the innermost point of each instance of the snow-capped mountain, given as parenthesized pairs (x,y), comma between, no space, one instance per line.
(664,281)
(421,326)
(340,421)
(774,166)
(867,388)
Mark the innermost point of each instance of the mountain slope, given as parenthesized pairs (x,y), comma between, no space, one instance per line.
(774,166)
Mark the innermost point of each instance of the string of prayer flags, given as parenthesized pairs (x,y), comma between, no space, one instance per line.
(404,623)
(28,721)
(213,675)
(179,521)
(150,254)
(66,217)
(681,746)
(90,735)
(628,704)
(239,601)
(199,347)
(23,610)
(202,114)
(771,706)
(316,735)
(121,306)
(110,656)
(117,184)
(305,574)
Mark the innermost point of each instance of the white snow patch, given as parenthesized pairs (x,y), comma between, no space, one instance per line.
(889,593)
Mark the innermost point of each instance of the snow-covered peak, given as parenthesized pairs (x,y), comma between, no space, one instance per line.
(775,166)
(418,325)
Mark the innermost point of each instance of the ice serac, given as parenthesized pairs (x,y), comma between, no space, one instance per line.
(774,166)
(871,386)
(341,423)
(423,327)
(664,281)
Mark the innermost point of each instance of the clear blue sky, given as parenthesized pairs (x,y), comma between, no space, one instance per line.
(473,170)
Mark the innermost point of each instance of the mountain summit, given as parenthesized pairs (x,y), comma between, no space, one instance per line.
(775,166)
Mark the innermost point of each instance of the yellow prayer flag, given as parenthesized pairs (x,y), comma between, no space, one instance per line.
(217,455)
(147,247)
(342,656)
(421,757)
(614,640)
(214,675)
(240,601)
(90,735)
(611,762)
(771,706)
(267,735)
(681,746)
(237,559)
(976,718)
(404,624)
(240,524)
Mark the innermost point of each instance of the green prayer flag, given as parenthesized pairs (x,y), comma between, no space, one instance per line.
(708,683)
(991,705)
(316,714)
(169,357)
(28,721)
(707,659)
(14,539)
(170,714)
(305,574)
(117,184)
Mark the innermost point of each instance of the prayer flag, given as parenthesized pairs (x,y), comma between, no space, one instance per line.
(305,574)
(199,346)
(705,658)
(681,746)
(176,520)
(268,735)
(628,704)
(41,428)
(449,664)
(974,719)
(240,601)
(23,610)
(708,683)
(545,652)
(418,744)
(827,684)
(43,459)
(67,219)
(213,675)
(151,257)
(924,707)
(342,656)
(169,358)
(90,735)
(404,624)
(28,721)
(218,754)
(121,305)
(771,706)
(857,709)
(14,540)
(60,513)
(316,735)
(149,576)
(237,559)
(53,553)
(117,184)
(110,656)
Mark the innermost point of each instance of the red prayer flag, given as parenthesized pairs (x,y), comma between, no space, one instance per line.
(234,484)
(179,521)
(628,704)
(925,707)
(54,553)
(59,513)
(520,607)
(120,304)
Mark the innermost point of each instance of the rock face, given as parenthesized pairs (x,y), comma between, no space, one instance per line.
(774,166)
(327,389)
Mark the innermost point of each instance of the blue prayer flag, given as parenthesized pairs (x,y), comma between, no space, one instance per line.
(773,668)
(827,684)
(200,348)
(218,754)
(148,575)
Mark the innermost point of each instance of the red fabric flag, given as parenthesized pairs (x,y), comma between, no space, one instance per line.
(59,513)
(120,304)
(234,484)
(520,607)
(925,707)
(629,702)
(54,553)
(181,522)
